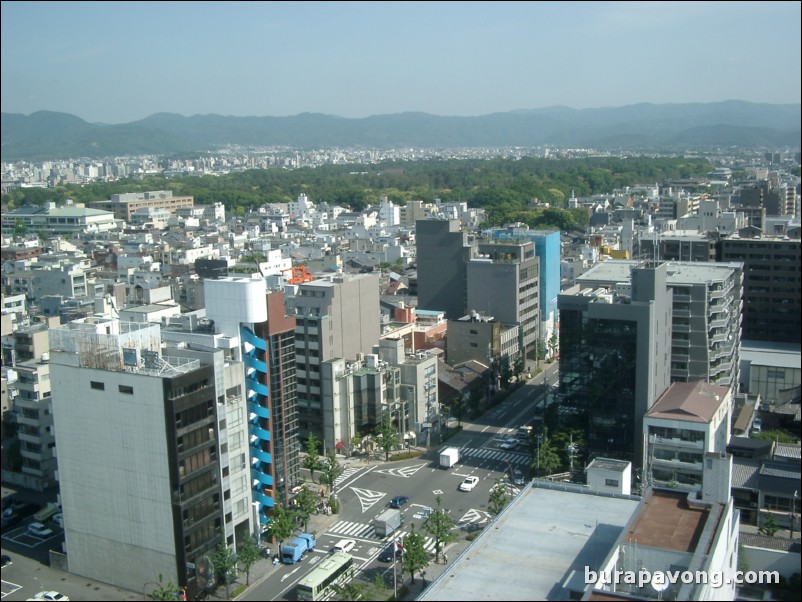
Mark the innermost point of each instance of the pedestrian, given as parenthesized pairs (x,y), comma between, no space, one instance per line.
(445,558)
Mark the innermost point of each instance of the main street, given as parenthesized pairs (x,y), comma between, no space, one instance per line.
(365,490)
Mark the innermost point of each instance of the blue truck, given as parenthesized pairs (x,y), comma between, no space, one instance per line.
(294,550)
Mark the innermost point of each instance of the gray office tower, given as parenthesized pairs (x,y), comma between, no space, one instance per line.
(442,255)
(615,360)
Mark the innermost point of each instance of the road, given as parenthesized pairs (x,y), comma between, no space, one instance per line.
(366,489)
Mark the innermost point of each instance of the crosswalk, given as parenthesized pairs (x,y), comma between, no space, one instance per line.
(483,453)
(346,473)
(365,531)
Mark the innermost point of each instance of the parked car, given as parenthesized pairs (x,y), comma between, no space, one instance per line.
(11,521)
(58,520)
(517,476)
(39,530)
(469,483)
(399,501)
(344,545)
(5,559)
(50,597)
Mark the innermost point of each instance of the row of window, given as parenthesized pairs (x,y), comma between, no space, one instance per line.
(99,386)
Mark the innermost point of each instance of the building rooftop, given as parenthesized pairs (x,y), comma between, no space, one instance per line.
(573,528)
(677,272)
(609,464)
(667,521)
(788,450)
(777,355)
(745,473)
(693,402)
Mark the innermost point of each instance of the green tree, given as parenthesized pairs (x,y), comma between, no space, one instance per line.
(769,526)
(439,526)
(165,591)
(330,470)
(353,590)
(386,436)
(458,408)
(281,525)
(305,504)
(498,497)
(20,229)
(225,566)
(553,343)
(356,441)
(312,458)
(415,556)
(475,399)
(247,555)
(774,435)
(546,459)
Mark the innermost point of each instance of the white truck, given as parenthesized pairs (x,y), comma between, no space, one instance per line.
(448,457)
(387,522)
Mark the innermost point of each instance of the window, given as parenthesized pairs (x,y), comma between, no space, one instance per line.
(611,482)
(96,385)
(126,389)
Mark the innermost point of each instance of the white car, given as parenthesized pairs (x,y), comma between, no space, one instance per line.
(50,596)
(344,545)
(39,530)
(509,444)
(469,483)
(58,520)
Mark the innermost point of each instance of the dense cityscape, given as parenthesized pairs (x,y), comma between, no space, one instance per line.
(185,381)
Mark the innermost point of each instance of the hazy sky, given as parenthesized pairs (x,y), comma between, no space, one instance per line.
(115,62)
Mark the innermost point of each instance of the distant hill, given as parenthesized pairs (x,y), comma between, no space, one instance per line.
(49,135)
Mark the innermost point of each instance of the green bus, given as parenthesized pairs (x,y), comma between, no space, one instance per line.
(335,569)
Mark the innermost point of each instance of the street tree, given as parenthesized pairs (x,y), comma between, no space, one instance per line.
(352,590)
(440,527)
(546,459)
(312,458)
(305,504)
(769,526)
(224,561)
(330,470)
(281,525)
(247,555)
(386,436)
(415,556)
(498,497)
(165,591)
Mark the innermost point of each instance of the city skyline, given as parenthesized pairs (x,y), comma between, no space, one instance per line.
(356,59)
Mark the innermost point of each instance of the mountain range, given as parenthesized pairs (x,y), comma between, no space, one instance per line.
(49,135)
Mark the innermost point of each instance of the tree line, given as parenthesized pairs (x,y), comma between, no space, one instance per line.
(531,190)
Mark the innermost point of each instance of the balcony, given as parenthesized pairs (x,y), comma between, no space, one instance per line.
(676,443)
(677,465)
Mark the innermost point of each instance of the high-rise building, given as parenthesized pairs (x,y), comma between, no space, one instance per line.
(442,255)
(503,281)
(706,316)
(772,285)
(615,360)
(336,317)
(256,321)
(152,472)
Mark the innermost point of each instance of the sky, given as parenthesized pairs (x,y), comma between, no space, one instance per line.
(117,62)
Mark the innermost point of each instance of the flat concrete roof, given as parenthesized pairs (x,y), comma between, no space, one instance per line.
(677,272)
(532,547)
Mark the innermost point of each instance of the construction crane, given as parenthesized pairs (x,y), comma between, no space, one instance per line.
(299,274)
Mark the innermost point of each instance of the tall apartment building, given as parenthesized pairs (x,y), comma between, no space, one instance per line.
(148,480)
(242,310)
(615,360)
(772,285)
(442,255)
(706,317)
(689,421)
(124,205)
(503,280)
(336,317)
(33,413)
